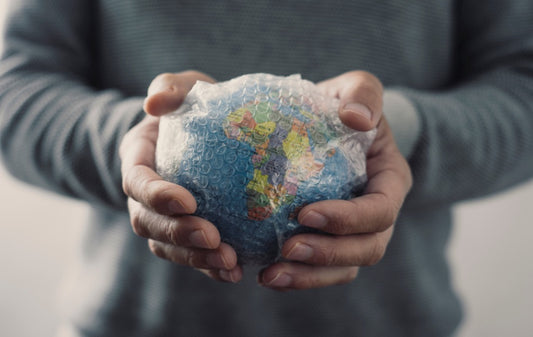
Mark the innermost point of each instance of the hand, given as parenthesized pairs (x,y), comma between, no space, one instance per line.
(361,227)
(161,211)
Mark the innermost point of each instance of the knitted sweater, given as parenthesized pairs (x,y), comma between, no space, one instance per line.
(459,98)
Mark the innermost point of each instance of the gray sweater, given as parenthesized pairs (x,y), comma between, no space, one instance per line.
(459,80)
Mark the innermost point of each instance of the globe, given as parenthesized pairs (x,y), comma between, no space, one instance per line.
(255,150)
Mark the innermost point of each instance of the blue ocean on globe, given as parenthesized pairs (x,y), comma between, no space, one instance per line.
(253,151)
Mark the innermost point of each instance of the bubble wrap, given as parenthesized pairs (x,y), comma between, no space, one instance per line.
(256,149)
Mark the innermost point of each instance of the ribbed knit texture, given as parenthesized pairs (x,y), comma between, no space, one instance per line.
(71,84)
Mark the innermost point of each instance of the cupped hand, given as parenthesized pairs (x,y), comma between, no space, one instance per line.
(159,210)
(360,228)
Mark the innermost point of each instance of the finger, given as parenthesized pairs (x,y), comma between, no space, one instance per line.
(142,184)
(374,211)
(233,276)
(187,231)
(361,98)
(138,145)
(167,91)
(329,250)
(223,257)
(287,276)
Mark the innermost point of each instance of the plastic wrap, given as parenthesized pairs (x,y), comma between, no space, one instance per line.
(256,149)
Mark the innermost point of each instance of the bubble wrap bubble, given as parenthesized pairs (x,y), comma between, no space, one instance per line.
(256,149)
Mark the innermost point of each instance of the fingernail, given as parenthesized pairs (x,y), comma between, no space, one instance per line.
(359,109)
(314,219)
(175,207)
(281,280)
(199,239)
(300,252)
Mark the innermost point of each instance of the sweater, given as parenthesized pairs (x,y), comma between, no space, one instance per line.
(459,98)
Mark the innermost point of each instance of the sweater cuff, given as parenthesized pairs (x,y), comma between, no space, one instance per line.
(403,120)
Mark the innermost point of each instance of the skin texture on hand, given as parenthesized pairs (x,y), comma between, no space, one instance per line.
(161,211)
(361,227)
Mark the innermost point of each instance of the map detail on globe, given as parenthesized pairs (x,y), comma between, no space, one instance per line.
(254,151)
(283,155)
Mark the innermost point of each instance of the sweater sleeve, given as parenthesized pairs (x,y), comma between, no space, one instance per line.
(477,135)
(57,131)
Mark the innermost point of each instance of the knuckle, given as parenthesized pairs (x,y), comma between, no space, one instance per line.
(156,193)
(361,75)
(137,223)
(151,191)
(342,221)
(345,226)
(337,226)
(388,214)
(127,181)
(156,249)
(125,186)
(191,73)
(194,259)
(354,75)
(330,256)
(126,140)
(164,78)
(342,225)
(366,85)
(391,218)
(171,233)
(198,75)
(367,77)
(132,177)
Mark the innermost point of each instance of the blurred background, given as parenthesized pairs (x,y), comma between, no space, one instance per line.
(490,253)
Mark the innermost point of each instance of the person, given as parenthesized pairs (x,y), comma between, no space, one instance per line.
(447,84)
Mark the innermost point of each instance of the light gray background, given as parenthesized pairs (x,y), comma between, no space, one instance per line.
(490,254)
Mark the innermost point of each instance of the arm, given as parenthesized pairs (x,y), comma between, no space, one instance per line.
(60,133)
(469,140)
(476,136)
(56,130)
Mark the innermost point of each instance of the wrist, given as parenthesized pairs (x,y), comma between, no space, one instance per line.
(403,119)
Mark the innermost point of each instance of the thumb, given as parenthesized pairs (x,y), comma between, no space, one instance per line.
(361,98)
(167,91)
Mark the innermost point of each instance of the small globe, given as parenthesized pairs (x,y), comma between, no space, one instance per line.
(256,149)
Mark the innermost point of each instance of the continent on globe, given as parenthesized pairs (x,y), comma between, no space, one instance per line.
(255,150)
(283,153)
